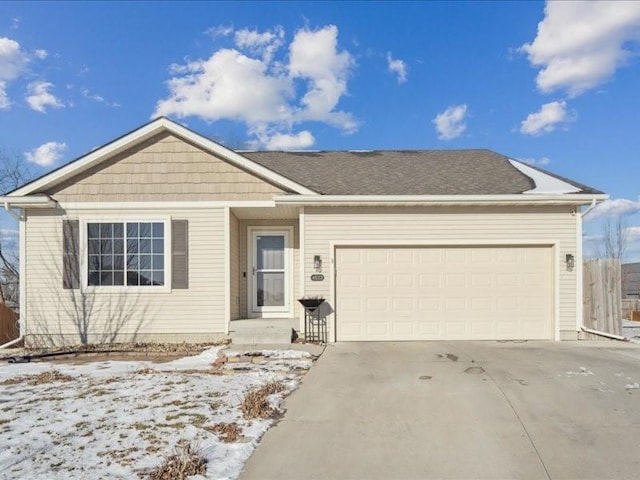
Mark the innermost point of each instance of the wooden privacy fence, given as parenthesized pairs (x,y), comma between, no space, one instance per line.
(8,324)
(602,295)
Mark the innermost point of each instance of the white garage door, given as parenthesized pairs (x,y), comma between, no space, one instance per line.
(443,293)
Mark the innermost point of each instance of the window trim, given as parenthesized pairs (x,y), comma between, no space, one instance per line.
(84,254)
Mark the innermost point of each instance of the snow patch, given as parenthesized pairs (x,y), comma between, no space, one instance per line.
(544,183)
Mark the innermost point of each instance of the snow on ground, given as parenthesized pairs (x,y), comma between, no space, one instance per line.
(117,419)
(631,329)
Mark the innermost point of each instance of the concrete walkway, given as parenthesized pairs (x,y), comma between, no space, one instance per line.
(460,410)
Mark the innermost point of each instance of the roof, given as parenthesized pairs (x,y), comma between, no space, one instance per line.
(405,172)
(351,173)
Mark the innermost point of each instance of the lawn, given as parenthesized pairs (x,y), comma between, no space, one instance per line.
(123,419)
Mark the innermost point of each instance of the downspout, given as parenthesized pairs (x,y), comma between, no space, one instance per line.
(590,330)
(20,218)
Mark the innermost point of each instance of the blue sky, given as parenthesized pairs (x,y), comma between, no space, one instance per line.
(554,84)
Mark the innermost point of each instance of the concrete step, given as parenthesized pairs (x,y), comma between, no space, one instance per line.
(267,334)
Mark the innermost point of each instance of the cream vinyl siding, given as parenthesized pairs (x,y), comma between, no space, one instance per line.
(164,168)
(444,293)
(234,256)
(327,226)
(53,313)
(295,273)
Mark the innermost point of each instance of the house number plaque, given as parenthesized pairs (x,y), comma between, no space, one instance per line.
(317,277)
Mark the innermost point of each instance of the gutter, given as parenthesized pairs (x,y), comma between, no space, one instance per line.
(13,342)
(524,199)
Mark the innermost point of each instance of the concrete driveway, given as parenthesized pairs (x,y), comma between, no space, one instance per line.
(460,410)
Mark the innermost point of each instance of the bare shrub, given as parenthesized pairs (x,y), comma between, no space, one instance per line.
(185,461)
(227,432)
(44,377)
(255,403)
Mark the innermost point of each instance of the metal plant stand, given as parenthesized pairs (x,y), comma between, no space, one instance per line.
(315,326)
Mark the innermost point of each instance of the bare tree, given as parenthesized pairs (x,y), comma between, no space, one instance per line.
(614,239)
(14,171)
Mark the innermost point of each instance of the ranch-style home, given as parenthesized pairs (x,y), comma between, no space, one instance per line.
(165,235)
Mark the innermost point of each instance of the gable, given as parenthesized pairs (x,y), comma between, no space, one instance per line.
(163,168)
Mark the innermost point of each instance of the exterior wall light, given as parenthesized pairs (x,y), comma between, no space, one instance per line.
(570,261)
(317,263)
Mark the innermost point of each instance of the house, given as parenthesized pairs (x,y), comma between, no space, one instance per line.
(631,280)
(165,235)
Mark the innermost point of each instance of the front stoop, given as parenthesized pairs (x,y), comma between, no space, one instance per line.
(262,331)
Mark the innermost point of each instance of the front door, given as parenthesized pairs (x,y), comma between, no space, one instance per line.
(269,265)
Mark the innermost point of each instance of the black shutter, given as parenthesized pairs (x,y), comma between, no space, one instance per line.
(70,254)
(180,254)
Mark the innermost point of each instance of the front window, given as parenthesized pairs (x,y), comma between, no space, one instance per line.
(126,254)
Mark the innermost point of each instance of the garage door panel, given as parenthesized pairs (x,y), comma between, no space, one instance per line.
(423,293)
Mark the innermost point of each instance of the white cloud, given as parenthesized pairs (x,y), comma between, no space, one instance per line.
(264,44)
(546,119)
(616,207)
(219,31)
(41,54)
(39,97)
(398,67)
(46,154)
(247,84)
(98,98)
(633,234)
(450,123)
(286,141)
(13,61)
(5,103)
(539,162)
(580,44)
(313,55)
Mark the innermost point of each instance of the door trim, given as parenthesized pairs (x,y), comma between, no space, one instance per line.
(252,232)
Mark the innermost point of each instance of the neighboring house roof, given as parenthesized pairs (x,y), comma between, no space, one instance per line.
(340,173)
(405,172)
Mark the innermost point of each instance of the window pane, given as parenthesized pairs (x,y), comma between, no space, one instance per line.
(145,230)
(132,262)
(132,230)
(106,246)
(132,246)
(118,262)
(106,278)
(145,277)
(106,230)
(94,278)
(270,289)
(94,246)
(158,230)
(118,230)
(270,251)
(93,230)
(158,246)
(118,246)
(106,262)
(158,262)
(145,262)
(158,278)
(118,277)
(94,262)
(132,278)
(145,246)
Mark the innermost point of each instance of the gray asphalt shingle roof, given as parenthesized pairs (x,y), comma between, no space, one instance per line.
(402,172)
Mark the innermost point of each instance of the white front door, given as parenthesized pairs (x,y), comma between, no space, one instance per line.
(270,269)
